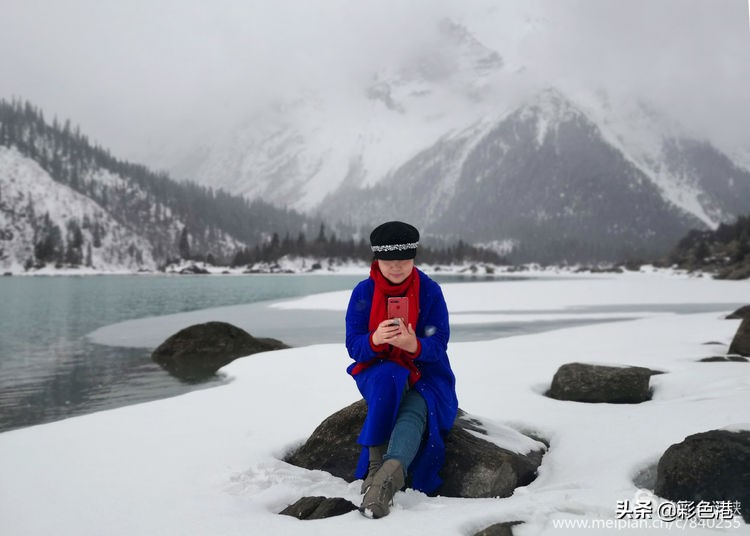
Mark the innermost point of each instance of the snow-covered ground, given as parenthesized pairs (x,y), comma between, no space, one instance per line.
(209,462)
(314,265)
(286,264)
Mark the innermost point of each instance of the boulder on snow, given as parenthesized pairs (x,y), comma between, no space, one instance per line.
(711,466)
(724,359)
(197,352)
(741,313)
(580,382)
(194,269)
(474,467)
(741,341)
(499,529)
(318,507)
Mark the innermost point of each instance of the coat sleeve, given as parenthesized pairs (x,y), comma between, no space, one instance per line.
(357,325)
(435,332)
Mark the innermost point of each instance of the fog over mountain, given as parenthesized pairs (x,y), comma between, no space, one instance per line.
(150,78)
(557,130)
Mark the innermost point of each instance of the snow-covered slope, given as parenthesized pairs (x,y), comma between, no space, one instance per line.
(671,157)
(116,225)
(543,177)
(31,199)
(210,462)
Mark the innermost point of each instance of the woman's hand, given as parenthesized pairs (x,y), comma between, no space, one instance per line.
(386,331)
(394,332)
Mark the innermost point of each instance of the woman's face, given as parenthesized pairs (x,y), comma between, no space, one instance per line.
(396,271)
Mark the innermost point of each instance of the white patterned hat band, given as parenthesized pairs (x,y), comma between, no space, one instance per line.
(394,240)
(395,247)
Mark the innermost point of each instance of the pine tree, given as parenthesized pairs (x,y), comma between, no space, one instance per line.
(48,246)
(287,245)
(97,234)
(301,244)
(183,245)
(74,240)
(321,234)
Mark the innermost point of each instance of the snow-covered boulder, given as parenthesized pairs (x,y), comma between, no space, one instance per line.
(198,351)
(711,466)
(194,269)
(318,507)
(580,382)
(741,341)
(475,466)
(724,359)
(499,529)
(742,312)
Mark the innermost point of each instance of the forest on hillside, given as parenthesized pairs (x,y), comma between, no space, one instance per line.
(180,220)
(724,251)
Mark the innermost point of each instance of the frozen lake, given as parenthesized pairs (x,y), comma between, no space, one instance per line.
(74,345)
(211,461)
(49,369)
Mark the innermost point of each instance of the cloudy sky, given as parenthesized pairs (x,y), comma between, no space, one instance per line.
(131,72)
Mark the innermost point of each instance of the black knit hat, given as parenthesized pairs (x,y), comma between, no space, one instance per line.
(394,240)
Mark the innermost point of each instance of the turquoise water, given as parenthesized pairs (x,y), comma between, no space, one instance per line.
(48,370)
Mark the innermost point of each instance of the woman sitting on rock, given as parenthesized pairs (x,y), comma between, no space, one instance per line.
(402,370)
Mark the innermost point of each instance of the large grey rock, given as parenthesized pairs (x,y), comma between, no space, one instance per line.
(473,468)
(197,352)
(741,341)
(742,312)
(580,382)
(318,508)
(194,269)
(333,446)
(499,529)
(711,466)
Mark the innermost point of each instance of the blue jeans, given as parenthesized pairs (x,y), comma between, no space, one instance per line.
(407,433)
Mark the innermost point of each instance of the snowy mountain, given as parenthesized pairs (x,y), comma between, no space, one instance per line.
(44,221)
(33,205)
(690,172)
(67,203)
(463,142)
(549,180)
(303,148)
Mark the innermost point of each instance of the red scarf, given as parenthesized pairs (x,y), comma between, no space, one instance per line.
(379,312)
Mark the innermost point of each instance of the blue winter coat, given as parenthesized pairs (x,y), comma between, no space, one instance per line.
(437,384)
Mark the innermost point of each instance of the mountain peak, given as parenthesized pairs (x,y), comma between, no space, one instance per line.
(484,59)
(456,62)
(552,103)
(547,110)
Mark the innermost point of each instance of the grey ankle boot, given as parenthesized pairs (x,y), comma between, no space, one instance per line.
(387,481)
(376,460)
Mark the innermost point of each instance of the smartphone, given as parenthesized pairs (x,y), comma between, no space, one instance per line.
(399,308)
